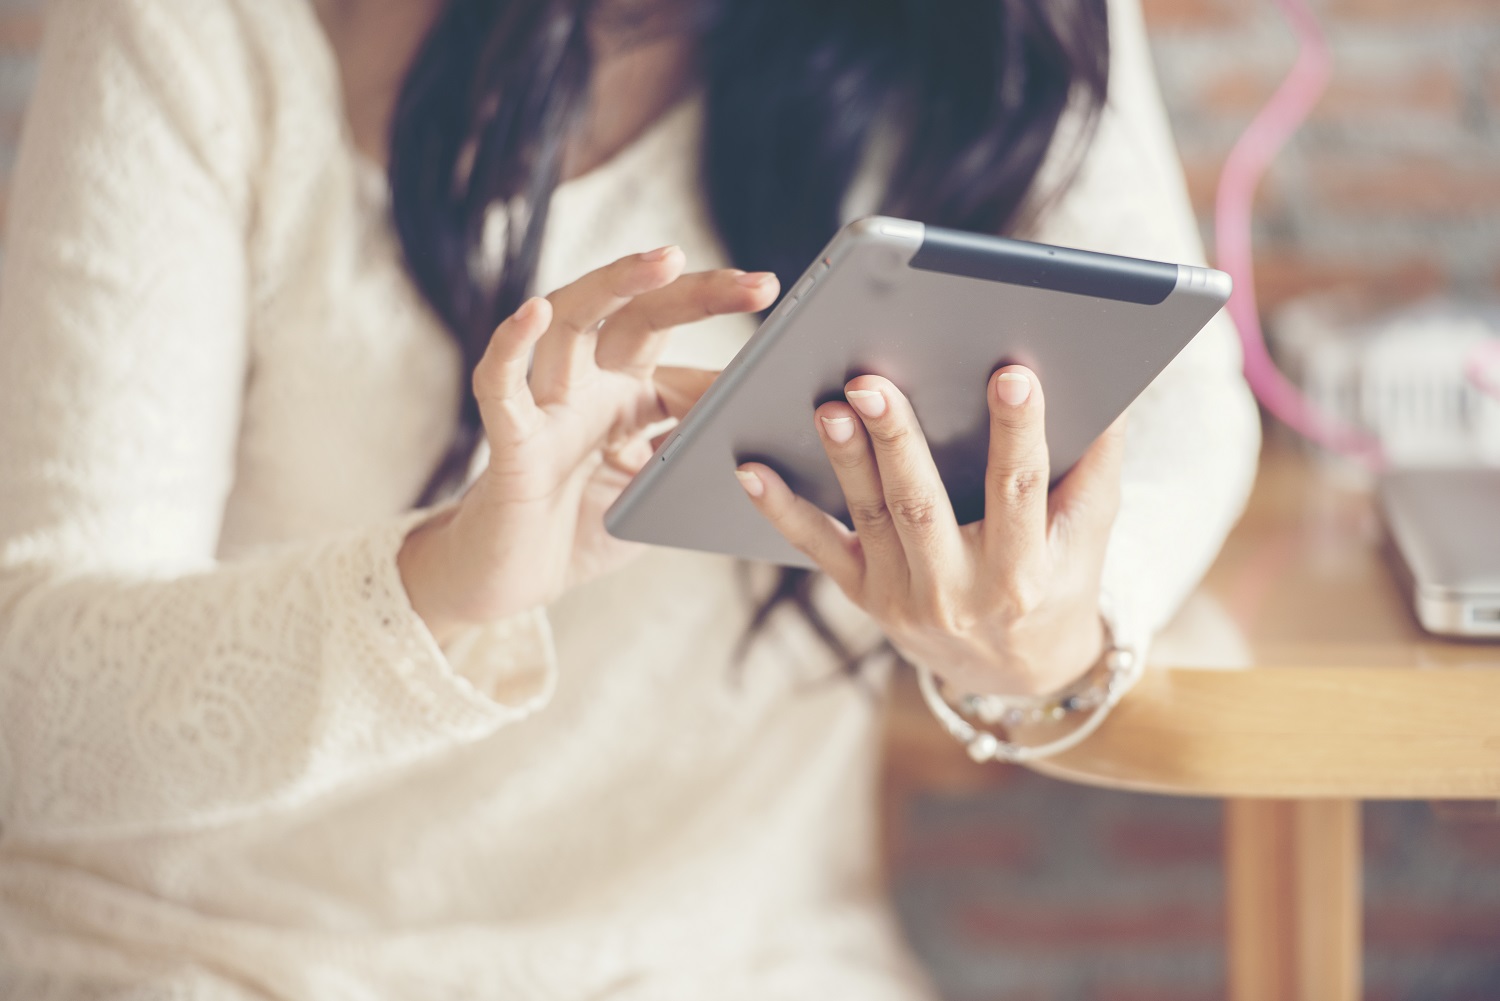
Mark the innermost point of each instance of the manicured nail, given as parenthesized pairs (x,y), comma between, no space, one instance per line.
(527,310)
(1012,387)
(840,429)
(752,483)
(754,279)
(659,254)
(870,402)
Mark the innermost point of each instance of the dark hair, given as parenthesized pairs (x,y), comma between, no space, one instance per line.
(971,91)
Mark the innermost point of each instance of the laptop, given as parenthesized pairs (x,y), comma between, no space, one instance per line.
(1445,528)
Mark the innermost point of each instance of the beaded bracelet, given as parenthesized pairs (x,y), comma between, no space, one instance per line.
(1097,692)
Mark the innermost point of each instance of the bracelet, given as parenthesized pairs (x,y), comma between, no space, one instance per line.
(1096,693)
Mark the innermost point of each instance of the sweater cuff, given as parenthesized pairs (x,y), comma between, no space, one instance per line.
(485,677)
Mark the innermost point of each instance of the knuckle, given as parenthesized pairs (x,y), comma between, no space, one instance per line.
(630,276)
(916,512)
(1018,484)
(498,398)
(615,279)
(695,300)
(892,433)
(569,324)
(1015,421)
(847,458)
(871,513)
(656,317)
(1017,597)
(488,381)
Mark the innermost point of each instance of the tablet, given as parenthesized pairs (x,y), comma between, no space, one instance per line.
(935,311)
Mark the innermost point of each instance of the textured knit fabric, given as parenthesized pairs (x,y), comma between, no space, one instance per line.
(233,762)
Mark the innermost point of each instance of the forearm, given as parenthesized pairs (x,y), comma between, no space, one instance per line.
(131,701)
(1190,460)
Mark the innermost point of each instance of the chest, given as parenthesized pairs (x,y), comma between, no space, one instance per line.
(351,391)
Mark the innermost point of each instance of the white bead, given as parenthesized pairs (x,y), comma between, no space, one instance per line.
(983,746)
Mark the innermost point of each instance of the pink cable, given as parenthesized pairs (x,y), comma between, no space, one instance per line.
(1248,161)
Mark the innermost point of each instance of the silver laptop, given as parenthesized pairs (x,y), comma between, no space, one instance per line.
(1445,527)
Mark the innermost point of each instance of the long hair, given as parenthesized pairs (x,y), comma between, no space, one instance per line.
(970,91)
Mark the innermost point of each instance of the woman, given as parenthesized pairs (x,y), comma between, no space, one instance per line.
(269,731)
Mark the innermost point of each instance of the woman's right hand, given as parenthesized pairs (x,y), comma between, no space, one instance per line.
(564,436)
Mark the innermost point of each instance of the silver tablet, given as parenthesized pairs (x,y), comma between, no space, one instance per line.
(936,311)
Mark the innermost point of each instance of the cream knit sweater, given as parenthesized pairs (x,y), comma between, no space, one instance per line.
(233,763)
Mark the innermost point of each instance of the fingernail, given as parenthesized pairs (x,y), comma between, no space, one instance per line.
(752,483)
(1012,387)
(754,279)
(840,429)
(659,254)
(870,402)
(527,310)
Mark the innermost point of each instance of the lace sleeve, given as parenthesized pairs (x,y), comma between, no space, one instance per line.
(141,683)
(200,698)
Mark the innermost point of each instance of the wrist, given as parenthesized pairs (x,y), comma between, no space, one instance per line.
(1023,727)
(1036,661)
(1076,656)
(427,574)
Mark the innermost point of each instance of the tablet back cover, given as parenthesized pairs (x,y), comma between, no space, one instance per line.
(936,312)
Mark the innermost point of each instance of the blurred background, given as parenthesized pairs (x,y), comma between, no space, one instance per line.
(1015,887)
(1387,202)
(1393,186)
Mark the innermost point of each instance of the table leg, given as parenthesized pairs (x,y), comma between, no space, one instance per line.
(1293,874)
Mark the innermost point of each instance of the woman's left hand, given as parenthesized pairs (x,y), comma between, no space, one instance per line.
(1005,605)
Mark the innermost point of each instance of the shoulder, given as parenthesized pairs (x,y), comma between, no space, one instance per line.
(1126,193)
(231,37)
(171,31)
(223,24)
(211,74)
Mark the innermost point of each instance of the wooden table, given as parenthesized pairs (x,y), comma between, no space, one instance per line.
(1295,683)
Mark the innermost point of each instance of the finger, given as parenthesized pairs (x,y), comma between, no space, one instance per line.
(1015,485)
(853,460)
(566,354)
(830,545)
(1086,500)
(634,338)
(680,388)
(677,390)
(499,383)
(909,479)
(630,456)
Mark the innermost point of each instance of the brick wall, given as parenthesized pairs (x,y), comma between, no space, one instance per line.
(1393,187)
(1014,887)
